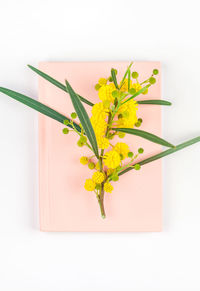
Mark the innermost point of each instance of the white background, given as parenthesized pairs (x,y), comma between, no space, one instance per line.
(33,31)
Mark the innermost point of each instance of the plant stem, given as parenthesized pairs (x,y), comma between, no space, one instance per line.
(101,195)
(101,202)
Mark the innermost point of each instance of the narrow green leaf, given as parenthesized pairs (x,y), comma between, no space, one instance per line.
(129,78)
(154,102)
(137,93)
(146,135)
(122,82)
(113,74)
(37,106)
(84,118)
(164,153)
(57,84)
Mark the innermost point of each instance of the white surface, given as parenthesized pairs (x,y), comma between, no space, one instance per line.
(32,31)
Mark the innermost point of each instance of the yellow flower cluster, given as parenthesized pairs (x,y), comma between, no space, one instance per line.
(122,149)
(98,120)
(126,118)
(112,159)
(97,178)
(84,160)
(105,92)
(90,185)
(136,86)
(108,187)
(127,114)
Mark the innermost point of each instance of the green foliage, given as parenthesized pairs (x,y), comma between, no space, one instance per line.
(38,106)
(122,82)
(113,74)
(84,118)
(57,84)
(137,93)
(164,153)
(145,135)
(155,102)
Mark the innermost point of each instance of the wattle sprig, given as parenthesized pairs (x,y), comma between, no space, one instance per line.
(114,116)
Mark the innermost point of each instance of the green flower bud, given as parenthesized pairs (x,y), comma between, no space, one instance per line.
(152,80)
(132,91)
(66,122)
(130,154)
(102,81)
(121,134)
(137,124)
(91,165)
(145,92)
(110,79)
(140,150)
(155,72)
(115,94)
(65,130)
(115,177)
(83,139)
(120,116)
(97,87)
(137,167)
(80,143)
(121,156)
(135,75)
(73,115)
(140,120)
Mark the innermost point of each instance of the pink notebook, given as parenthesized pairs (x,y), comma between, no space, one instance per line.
(136,202)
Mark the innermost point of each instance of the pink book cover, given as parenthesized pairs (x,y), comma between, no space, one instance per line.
(135,205)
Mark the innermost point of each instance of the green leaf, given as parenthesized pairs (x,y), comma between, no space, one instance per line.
(122,82)
(57,84)
(154,102)
(84,118)
(129,78)
(37,106)
(164,153)
(145,135)
(136,94)
(113,74)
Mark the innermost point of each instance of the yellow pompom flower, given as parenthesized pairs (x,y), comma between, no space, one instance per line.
(108,187)
(99,109)
(98,177)
(105,92)
(122,149)
(84,160)
(99,126)
(90,185)
(136,86)
(129,117)
(103,142)
(102,81)
(112,159)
